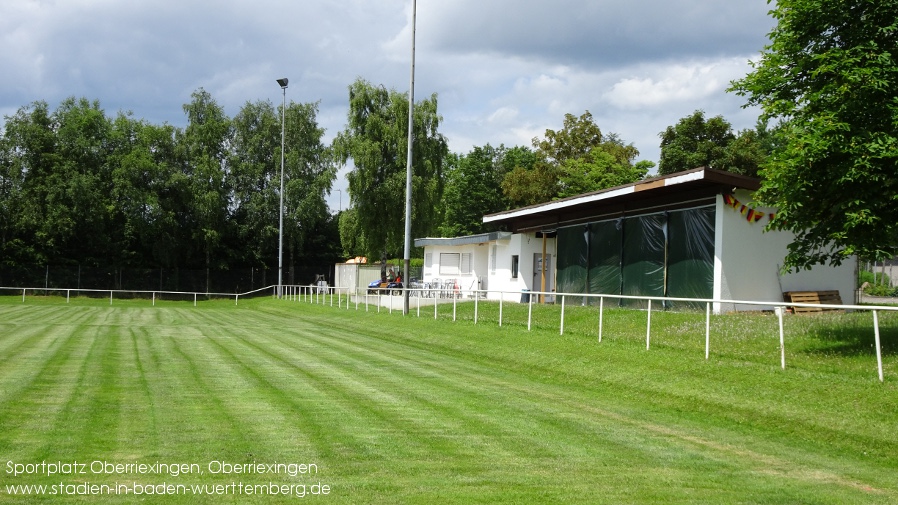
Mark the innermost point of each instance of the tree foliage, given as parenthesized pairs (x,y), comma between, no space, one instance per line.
(698,142)
(471,190)
(376,139)
(830,76)
(79,187)
(577,159)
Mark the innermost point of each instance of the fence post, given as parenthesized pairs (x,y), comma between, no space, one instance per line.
(110,297)
(194,299)
(601,311)
(648,327)
(476,296)
(154,298)
(68,292)
(529,311)
(23,295)
(779,314)
(454,298)
(561,330)
(707,329)
(501,298)
(878,345)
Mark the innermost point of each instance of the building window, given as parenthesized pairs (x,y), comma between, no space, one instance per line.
(465,265)
(515,260)
(493,251)
(449,263)
(428,263)
(455,263)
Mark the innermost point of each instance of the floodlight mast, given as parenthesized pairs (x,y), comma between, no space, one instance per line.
(283,83)
(406,259)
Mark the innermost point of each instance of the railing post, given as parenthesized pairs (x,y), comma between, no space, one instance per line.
(501,299)
(476,296)
(529,310)
(779,314)
(601,313)
(707,329)
(648,327)
(561,330)
(878,345)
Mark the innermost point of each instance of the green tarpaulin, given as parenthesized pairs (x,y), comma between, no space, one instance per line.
(663,254)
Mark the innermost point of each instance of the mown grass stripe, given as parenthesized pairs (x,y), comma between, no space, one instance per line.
(412,410)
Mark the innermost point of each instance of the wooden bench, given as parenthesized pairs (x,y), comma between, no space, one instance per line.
(818,297)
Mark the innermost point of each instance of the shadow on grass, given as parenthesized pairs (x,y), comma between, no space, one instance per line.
(851,340)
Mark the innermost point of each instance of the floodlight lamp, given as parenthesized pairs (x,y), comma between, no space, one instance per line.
(283,82)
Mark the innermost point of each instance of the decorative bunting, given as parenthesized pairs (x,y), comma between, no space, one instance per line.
(751,215)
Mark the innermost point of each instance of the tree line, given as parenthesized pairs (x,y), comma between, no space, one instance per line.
(79,187)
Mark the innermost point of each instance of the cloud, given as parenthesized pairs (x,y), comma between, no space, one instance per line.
(675,82)
(504,70)
(600,32)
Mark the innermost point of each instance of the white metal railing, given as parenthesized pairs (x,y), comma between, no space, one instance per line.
(312,294)
(150,294)
(424,296)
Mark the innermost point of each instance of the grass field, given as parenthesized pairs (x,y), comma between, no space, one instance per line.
(390,409)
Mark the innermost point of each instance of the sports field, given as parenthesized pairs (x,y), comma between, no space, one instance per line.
(280,402)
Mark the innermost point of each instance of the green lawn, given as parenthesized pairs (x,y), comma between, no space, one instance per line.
(393,409)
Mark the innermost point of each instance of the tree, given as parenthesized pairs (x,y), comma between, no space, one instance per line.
(376,139)
(577,159)
(470,190)
(254,170)
(205,147)
(696,142)
(830,76)
(310,172)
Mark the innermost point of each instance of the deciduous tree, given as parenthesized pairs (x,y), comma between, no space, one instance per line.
(376,140)
(830,76)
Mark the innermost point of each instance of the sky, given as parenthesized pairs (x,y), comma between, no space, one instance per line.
(503,71)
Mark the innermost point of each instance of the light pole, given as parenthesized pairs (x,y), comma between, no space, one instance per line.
(340,208)
(283,84)
(406,258)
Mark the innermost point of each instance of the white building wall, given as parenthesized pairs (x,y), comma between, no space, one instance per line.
(747,262)
(466,281)
(491,265)
(524,246)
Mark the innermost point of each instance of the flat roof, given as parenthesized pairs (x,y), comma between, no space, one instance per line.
(481,238)
(695,186)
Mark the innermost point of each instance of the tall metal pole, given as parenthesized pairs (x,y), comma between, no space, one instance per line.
(283,83)
(408,172)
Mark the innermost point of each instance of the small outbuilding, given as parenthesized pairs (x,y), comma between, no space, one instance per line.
(693,234)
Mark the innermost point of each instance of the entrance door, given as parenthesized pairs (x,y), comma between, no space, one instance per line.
(538,278)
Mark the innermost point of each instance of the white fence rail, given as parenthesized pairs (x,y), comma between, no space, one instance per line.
(418,297)
(152,295)
(393,299)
